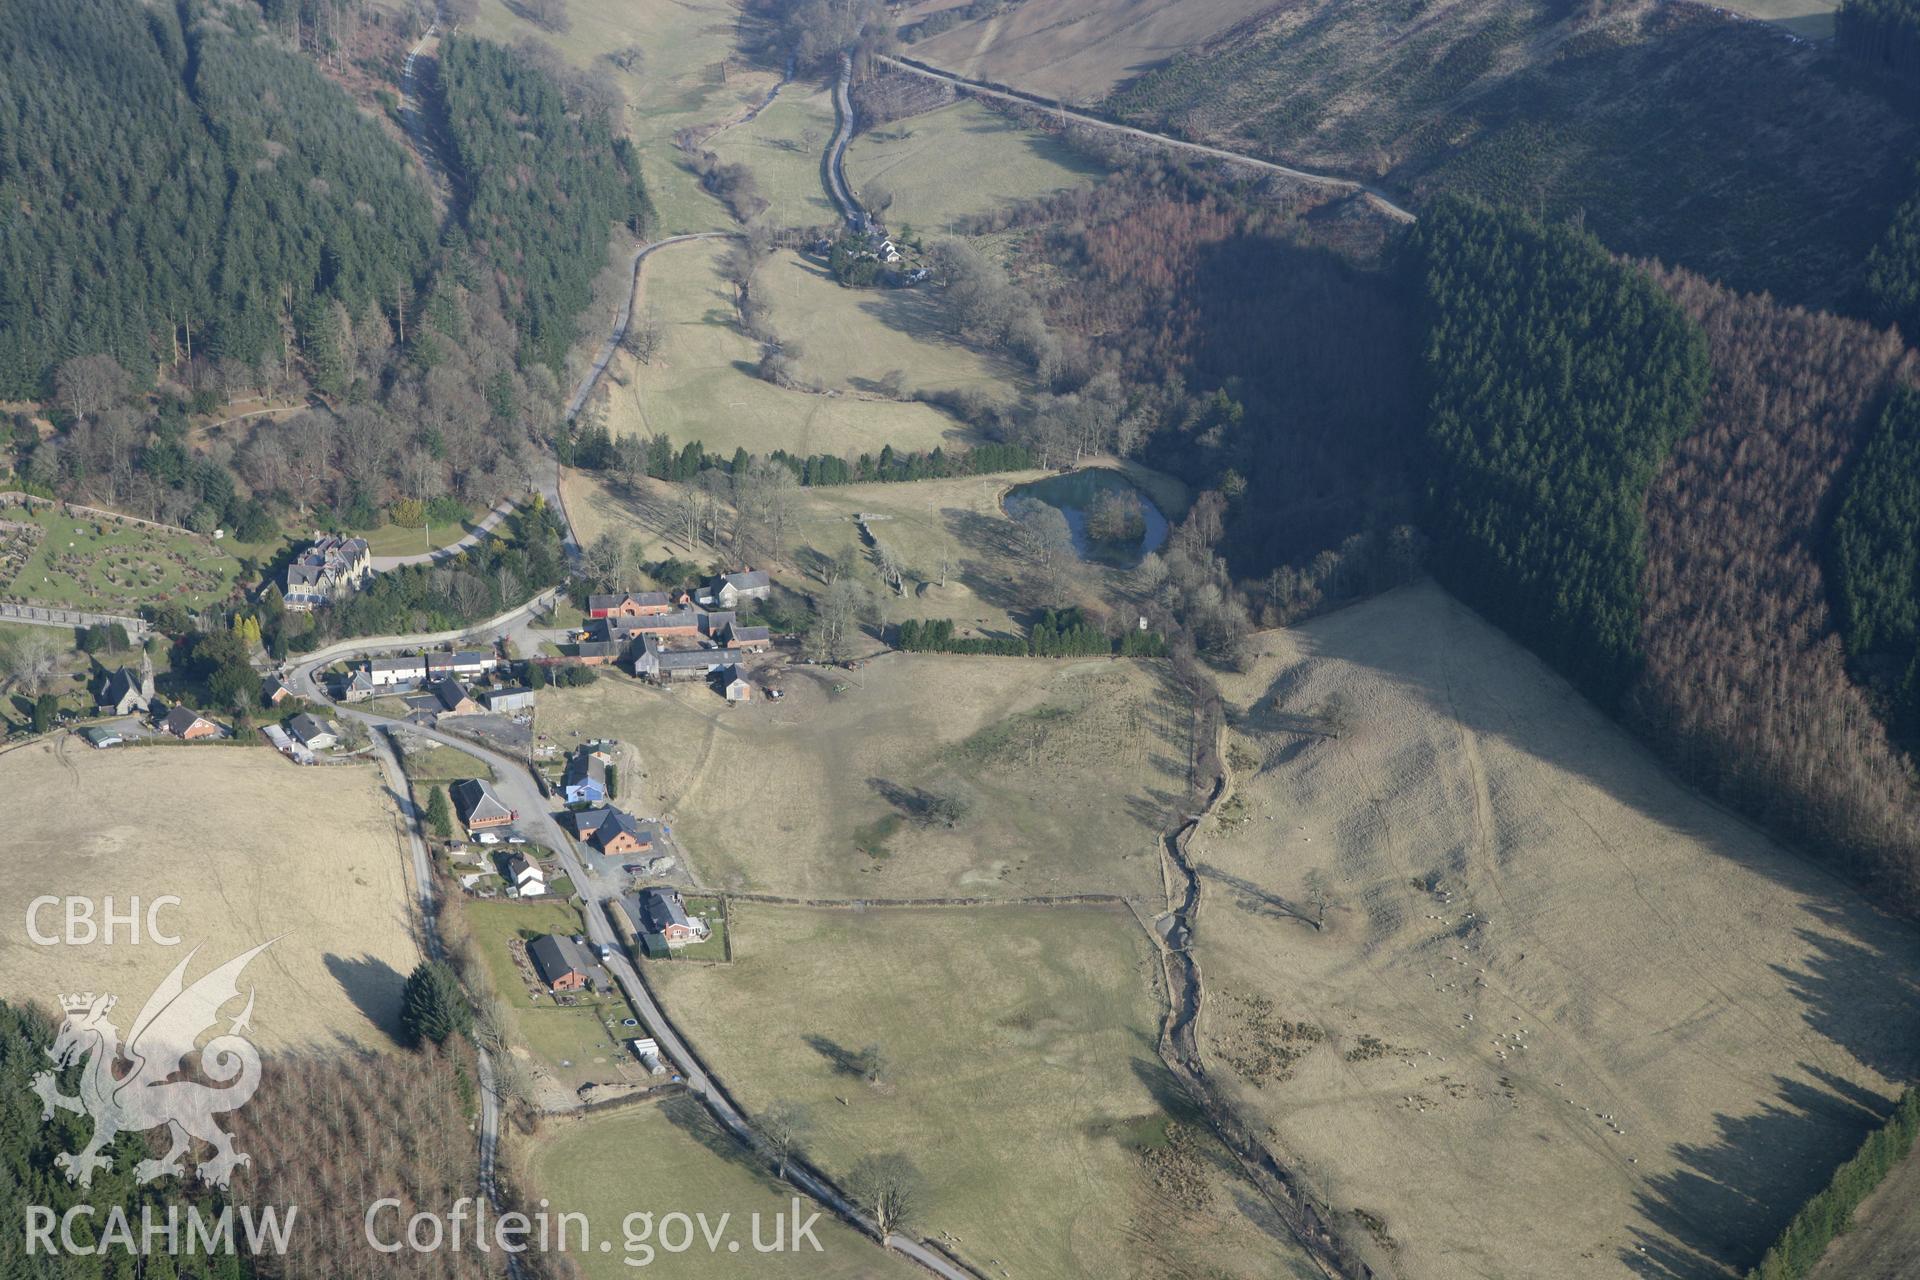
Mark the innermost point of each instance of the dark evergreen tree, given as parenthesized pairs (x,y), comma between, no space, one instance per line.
(433,1007)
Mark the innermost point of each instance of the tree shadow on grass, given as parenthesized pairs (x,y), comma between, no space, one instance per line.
(375,988)
(690,1118)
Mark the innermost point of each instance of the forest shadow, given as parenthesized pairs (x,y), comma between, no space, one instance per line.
(1728,1201)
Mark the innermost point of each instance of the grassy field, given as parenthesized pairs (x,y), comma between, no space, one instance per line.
(570,1045)
(1068,771)
(109,566)
(1564,1017)
(254,847)
(783,146)
(688,75)
(920,159)
(670,1158)
(393,540)
(1076,49)
(431,762)
(1019,1075)
(703,386)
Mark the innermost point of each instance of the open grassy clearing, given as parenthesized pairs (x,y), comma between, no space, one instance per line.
(670,1158)
(703,385)
(394,540)
(1020,1077)
(1068,771)
(1075,49)
(783,146)
(96,563)
(1563,1010)
(962,159)
(1883,1243)
(688,76)
(854,339)
(254,847)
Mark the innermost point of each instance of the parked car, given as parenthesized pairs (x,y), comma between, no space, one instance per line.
(487,837)
(516,839)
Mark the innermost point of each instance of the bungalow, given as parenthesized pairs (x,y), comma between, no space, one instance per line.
(612,831)
(274,691)
(189,725)
(126,692)
(585,781)
(662,911)
(312,733)
(453,699)
(561,962)
(629,604)
(526,875)
(729,589)
(734,684)
(478,806)
(465,662)
(516,697)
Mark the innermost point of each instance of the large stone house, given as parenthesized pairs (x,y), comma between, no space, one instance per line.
(729,589)
(326,570)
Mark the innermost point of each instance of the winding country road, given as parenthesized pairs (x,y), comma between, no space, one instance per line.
(624,316)
(1377,198)
(836,157)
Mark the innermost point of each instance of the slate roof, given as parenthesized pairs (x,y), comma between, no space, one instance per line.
(555,956)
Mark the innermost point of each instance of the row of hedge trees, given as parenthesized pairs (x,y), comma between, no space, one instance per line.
(1063,634)
(593,449)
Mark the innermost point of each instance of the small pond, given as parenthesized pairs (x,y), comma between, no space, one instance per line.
(1111,520)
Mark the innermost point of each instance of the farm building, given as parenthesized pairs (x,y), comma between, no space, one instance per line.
(585,781)
(478,806)
(189,725)
(734,684)
(102,737)
(629,604)
(561,962)
(595,653)
(654,661)
(516,697)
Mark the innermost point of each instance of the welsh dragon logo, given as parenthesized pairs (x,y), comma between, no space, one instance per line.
(146,1095)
